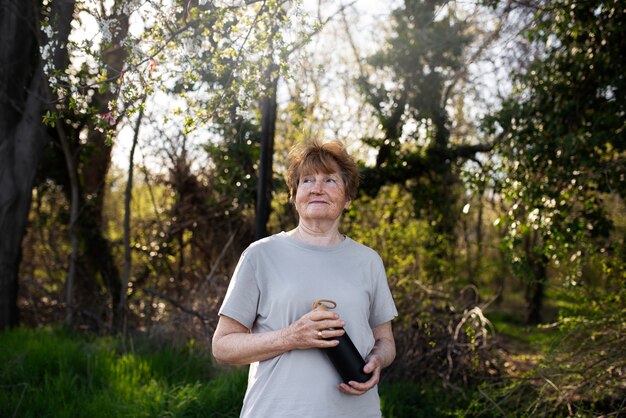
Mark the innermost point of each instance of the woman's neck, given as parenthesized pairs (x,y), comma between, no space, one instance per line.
(318,234)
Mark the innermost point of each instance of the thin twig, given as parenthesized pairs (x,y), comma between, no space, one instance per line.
(494,403)
(176,304)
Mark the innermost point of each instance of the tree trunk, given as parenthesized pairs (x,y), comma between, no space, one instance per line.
(98,271)
(22,102)
(74,207)
(534,314)
(21,140)
(538,264)
(119,323)
(268,127)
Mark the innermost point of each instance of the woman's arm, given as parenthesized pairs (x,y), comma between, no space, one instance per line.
(382,355)
(233,343)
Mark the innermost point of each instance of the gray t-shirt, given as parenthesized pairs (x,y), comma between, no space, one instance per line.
(275,283)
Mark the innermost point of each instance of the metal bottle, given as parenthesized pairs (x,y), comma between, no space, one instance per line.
(344,356)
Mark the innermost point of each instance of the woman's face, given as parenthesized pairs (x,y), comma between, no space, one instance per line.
(321,196)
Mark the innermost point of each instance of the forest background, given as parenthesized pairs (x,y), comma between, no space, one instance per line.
(142,148)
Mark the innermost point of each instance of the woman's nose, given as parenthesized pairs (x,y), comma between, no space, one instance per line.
(317,186)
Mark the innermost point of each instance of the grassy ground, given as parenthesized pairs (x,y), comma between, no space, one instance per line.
(54,373)
(51,372)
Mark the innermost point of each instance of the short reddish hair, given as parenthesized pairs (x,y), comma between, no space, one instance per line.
(315,156)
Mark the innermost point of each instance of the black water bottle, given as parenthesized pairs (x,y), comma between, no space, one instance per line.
(344,356)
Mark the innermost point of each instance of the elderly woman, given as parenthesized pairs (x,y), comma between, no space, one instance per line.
(266,319)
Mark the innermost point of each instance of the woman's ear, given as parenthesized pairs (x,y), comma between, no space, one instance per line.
(347,205)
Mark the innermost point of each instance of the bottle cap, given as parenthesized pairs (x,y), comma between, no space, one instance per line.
(324,305)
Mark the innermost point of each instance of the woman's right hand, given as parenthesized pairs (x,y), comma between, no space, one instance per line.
(233,343)
(315,329)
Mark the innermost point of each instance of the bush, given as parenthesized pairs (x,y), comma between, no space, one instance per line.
(582,371)
(441,332)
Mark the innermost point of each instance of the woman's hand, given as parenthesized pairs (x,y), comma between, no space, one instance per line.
(373,364)
(314,330)
(233,343)
(381,356)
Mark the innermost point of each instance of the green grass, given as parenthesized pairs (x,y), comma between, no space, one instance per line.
(51,372)
(539,338)
(55,373)
(407,399)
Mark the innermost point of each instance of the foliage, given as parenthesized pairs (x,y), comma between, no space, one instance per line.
(581,373)
(410,87)
(186,249)
(189,64)
(210,55)
(573,367)
(441,331)
(562,148)
(43,269)
(563,134)
(236,164)
(589,367)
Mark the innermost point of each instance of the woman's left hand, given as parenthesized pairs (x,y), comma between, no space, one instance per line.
(381,356)
(373,365)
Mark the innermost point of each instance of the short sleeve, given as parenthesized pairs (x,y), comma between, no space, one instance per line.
(383,308)
(242,297)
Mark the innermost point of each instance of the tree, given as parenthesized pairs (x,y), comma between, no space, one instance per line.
(563,154)
(115,77)
(85,113)
(564,143)
(264,183)
(410,89)
(23,100)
